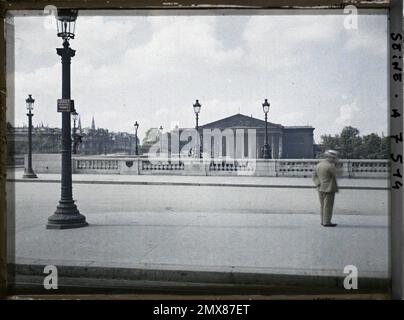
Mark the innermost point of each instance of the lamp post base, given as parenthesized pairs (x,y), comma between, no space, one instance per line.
(29,174)
(66,216)
(266,152)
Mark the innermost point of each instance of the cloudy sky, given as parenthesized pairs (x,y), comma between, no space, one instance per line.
(152,68)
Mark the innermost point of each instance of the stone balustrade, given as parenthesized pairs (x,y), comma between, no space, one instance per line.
(346,168)
(209,167)
(96,165)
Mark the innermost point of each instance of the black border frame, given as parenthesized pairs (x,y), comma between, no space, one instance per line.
(395,40)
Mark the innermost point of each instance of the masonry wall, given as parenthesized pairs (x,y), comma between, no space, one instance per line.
(298,143)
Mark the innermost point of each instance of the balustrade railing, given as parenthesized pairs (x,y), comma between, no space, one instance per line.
(236,165)
(96,165)
(292,168)
(161,165)
(193,166)
(363,168)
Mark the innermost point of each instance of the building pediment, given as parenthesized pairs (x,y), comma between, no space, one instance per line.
(239,121)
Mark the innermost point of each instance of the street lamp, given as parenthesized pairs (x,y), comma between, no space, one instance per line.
(161,140)
(136,125)
(106,136)
(113,147)
(28,172)
(197,108)
(266,150)
(66,215)
(75,116)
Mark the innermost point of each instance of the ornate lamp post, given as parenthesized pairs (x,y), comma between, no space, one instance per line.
(75,116)
(197,108)
(161,139)
(106,136)
(66,215)
(29,173)
(136,125)
(266,154)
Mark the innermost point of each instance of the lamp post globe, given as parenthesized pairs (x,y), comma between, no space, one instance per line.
(266,152)
(66,215)
(28,171)
(66,23)
(265,106)
(197,107)
(30,102)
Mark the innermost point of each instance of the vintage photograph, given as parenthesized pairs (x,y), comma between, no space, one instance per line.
(199,148)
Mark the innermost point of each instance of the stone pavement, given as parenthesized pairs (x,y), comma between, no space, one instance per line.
(274,244)
(252,230)
(243,181)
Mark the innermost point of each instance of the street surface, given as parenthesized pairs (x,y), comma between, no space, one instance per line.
(190,227)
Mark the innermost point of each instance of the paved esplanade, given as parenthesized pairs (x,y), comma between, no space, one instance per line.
(255,228)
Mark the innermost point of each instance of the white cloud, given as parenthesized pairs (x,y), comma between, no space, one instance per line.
(368,37)
(151,69)
(43,84)
(348,113)
(279,42)
(178,44)
(290,118)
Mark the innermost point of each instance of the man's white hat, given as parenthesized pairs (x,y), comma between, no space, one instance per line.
(331,154)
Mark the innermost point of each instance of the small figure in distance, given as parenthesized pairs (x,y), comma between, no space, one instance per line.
(325,179)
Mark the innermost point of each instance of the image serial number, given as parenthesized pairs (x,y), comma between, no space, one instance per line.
(215,309)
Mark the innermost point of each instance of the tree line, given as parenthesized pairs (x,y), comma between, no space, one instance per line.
(351,145)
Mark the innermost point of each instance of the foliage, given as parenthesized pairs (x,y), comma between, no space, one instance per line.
(351,145)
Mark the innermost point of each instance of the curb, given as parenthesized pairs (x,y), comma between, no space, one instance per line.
(85,277)
(237,185)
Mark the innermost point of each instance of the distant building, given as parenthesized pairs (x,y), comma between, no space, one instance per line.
(289,142)
(101,141)
(44,140)
(48,140)
(292,142)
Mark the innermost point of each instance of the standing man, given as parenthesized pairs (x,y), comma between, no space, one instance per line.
(325,179)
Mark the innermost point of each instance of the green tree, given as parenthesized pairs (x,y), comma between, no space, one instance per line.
(352,146)
(329,142)
(371,146)
(385,148)
(350,143)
